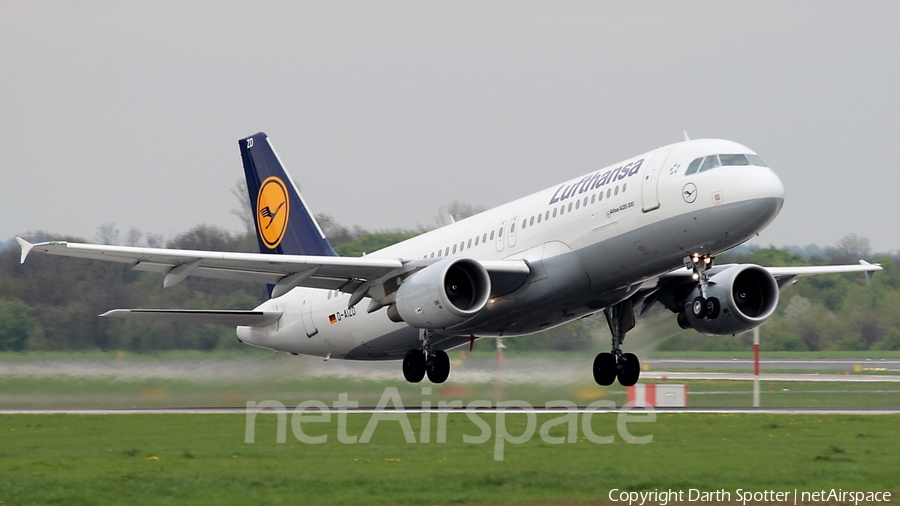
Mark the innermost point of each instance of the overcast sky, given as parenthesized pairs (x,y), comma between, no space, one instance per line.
(129,112)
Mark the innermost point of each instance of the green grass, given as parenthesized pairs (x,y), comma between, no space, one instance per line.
(202,459)
(37,356)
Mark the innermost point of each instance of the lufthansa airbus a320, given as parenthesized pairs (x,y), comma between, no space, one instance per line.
(619,240)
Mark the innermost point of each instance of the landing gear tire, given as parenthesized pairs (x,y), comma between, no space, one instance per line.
(440,367)
(629,370)
(605,369)
(712,308)
(698,307)
(414,366)
(706,308)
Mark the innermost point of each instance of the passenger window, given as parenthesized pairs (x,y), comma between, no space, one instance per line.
(484,239)
(624,185)
(570,207)
(531,222)
(547,216)
(454,248)
(562,209)
(462,245)
(539,217)
(554,212)
(439,253)
(593,197)
(500,233)
(617,191)
(585,202)
(600,197)
(608,192)
(711,162)
(469,245)
(477,237)
(693,166)
(447,252)
(755,160)
(734,160)
(512,227)
(432,254)
(577,203)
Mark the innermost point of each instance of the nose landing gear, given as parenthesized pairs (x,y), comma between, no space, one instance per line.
(618,365)
(702,306)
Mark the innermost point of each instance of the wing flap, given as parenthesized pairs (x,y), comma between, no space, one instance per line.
(222,316)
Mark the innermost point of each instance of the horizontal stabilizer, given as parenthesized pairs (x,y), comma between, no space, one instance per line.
(237,318)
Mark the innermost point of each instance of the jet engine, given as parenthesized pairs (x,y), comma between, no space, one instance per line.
(443,294)
(738,299)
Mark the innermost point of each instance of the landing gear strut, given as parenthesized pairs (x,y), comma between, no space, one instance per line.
(418,363)
(616,364)
(702,306)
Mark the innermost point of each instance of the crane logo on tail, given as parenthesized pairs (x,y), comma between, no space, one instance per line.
(272,211)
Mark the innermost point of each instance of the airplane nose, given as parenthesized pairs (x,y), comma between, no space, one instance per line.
(761,183)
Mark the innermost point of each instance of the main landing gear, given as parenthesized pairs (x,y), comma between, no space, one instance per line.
(418,363)
(703,306)
(624,366)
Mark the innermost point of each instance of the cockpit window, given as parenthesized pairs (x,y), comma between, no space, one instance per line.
(711,162)
(693,166)
(734,160)
(755,160)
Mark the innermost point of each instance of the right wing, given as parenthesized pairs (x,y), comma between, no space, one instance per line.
(283,271)
(359,276)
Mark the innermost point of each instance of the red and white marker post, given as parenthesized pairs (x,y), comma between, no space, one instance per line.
(756,367)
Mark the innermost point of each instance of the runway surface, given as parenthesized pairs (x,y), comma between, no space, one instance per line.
(886,365)
(543,370)
(731,376)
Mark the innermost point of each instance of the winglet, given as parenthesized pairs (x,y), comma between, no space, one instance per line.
(26,248)
(686,137)
(869,274)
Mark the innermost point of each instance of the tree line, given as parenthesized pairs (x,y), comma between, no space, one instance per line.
(52,303)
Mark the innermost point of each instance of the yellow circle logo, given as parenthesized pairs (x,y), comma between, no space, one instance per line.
(272,211)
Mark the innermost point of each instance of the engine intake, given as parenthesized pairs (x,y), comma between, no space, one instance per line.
(444,294)
(748,295)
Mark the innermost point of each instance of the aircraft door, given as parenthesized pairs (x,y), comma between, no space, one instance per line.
(501,239)
(649,187)
(511,236)
(306,314)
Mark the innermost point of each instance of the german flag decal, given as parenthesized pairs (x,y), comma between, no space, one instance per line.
(332,318)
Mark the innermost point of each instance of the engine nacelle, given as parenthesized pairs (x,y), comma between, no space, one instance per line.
(443,294)
(747,294)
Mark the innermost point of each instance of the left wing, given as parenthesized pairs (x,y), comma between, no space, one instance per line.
(658,289)
(786,276)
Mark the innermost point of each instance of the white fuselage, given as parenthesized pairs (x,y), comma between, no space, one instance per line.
(590,242)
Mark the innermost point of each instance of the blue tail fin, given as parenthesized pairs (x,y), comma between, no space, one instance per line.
(284,224)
